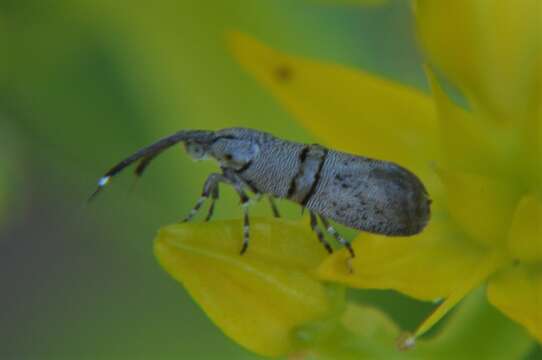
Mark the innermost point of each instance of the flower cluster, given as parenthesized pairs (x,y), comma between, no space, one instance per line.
(480,159)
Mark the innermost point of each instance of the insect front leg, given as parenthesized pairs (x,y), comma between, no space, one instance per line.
(331,230)
(214,197)
(210,187)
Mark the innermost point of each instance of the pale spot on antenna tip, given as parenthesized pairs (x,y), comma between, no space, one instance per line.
(103,181)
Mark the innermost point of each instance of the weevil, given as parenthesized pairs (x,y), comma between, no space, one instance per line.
(370,195)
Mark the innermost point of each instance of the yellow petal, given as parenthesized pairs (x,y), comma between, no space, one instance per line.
(471,144)
(517,291)
(348,109)
(490,49)
(361,332)
(257,299)
(369,323)
(480,205)
(427,266)
(525,238)
(478,274)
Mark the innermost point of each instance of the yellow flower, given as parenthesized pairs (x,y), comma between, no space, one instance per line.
(481,163)
(260,298)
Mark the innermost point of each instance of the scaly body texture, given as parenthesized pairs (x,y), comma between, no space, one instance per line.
(369,195)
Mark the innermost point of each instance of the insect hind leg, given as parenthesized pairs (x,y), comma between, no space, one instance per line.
(331,230)
(319,233)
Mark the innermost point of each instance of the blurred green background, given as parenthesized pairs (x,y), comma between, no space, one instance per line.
(84,83)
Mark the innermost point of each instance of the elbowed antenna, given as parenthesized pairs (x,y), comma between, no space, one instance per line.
(147,154)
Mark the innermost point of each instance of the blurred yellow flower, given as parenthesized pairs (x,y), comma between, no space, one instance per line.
(486,174)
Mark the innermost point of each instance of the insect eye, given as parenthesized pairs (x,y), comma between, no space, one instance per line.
(195,150)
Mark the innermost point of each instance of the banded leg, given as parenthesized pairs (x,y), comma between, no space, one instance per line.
(273,206)
(331,230)
(208,188)
(246,223)
(319,234)
(246,229)
(238,185)
(214,198)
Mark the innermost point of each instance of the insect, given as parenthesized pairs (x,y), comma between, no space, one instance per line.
(361,193)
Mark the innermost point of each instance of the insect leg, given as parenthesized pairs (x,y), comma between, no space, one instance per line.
(246,224)
(214,198)
(331,230)
(208,188)
(319,234)
(273,206)
(238,184)
(246,229)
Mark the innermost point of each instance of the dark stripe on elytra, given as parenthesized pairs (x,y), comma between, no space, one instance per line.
(302,158)
(316,180)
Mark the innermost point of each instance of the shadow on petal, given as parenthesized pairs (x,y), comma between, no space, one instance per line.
(427,266)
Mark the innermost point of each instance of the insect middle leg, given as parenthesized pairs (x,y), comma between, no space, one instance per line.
(319,233)
(271,200)
(245,202)
(331,230)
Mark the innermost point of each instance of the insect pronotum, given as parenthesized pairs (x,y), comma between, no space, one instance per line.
(361,193)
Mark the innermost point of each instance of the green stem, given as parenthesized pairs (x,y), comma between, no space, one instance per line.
(477,331)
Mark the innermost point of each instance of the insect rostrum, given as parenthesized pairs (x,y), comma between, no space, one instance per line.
(366,194)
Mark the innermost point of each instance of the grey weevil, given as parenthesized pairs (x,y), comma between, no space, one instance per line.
(370,195)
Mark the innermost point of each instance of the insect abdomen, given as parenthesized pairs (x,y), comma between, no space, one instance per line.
(370,195)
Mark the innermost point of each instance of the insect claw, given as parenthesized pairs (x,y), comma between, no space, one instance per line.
(188,217)
(350,250)
(243,248)
(210,212)
(274,208)
(349,265)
